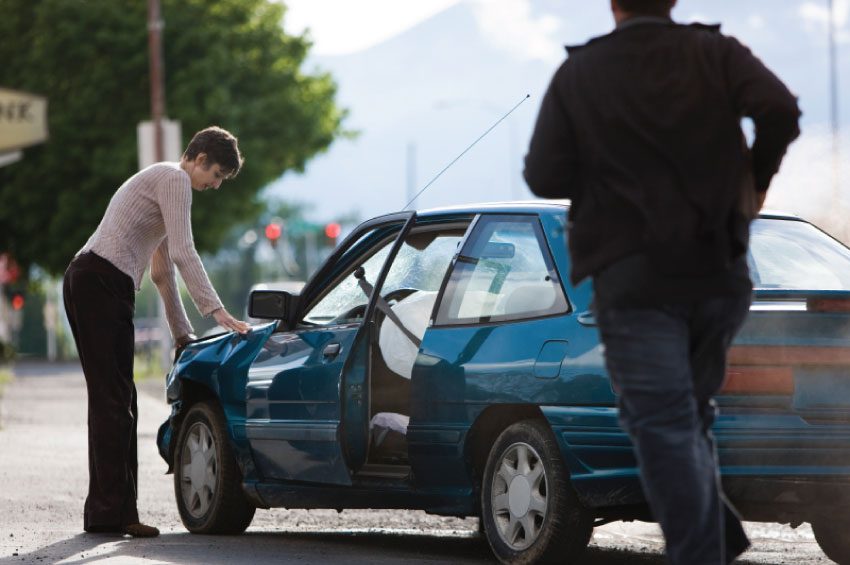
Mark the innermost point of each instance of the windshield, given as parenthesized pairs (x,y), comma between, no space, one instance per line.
(791,254)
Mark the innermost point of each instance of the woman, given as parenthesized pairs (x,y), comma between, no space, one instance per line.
(146,223)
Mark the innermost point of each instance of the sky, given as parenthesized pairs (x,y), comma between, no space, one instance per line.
(341,27)
(789,35)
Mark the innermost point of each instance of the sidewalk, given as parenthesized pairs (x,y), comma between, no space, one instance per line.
(43,484)
(44,468)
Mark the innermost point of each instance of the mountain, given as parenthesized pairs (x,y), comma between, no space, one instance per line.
(419,99)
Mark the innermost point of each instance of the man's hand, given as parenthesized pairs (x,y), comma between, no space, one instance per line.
(228,322)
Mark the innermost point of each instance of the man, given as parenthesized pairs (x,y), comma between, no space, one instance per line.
(641,130)
(147,222)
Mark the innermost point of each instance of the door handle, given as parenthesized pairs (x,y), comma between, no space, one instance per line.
(586,318)
(331,350)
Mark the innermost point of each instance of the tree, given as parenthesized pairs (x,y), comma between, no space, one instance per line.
(227,63)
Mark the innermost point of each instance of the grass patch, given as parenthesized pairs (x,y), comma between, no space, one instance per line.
(5,377)
(146,366)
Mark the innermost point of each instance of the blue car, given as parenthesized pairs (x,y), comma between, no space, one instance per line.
(441,360)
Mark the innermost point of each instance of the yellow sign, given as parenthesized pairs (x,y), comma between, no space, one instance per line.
(23,119)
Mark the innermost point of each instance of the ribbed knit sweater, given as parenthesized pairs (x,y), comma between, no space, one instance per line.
(148,222)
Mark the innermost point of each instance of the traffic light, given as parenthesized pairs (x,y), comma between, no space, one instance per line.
(18,301)
(332,231)
(273,231)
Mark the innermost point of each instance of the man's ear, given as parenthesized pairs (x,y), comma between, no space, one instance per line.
(202,160)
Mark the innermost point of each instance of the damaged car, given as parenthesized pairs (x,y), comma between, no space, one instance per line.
(440,360)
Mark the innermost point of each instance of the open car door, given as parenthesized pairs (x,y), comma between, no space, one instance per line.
(307,392)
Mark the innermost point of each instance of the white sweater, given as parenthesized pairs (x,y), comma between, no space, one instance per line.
(148,222)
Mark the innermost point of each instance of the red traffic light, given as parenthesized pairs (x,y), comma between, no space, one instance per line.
(273,231)
(332,230)
(18,302)
(9,270)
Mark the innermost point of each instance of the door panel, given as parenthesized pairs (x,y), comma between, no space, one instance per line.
(293,400)
(300,410)
(502,334)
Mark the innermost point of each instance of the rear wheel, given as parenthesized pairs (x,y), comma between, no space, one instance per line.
(530,512)
(834,540)
(207,480)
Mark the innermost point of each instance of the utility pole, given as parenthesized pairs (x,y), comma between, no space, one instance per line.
(833,93)
(155,63)
(155,26)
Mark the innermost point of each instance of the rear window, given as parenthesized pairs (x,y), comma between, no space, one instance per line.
(792,254)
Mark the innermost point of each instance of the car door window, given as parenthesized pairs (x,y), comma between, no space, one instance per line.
(504,272)
(410,291)
(422,261)
(346,301)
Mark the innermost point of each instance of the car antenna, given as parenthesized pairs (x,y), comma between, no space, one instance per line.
(462,153)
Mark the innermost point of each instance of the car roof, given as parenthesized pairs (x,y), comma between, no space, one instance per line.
(547,206)
(767,213)
(519,206)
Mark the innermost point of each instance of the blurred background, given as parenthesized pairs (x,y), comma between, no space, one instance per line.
(344,110)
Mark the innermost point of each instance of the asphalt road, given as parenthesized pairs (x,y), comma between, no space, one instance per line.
(43,481)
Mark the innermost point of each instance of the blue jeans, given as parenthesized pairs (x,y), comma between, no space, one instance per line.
(666,360)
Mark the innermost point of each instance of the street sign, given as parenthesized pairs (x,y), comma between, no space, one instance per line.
(23,119)
(172,146)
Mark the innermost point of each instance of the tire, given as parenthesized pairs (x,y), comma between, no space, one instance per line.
(530,512)
(207,480)
(833,539)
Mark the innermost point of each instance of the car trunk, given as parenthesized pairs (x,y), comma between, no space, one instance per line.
(793,354)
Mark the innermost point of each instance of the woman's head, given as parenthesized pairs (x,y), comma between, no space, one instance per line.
(220,148)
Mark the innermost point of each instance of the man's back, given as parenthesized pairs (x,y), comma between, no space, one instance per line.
(641,129)
(651,116)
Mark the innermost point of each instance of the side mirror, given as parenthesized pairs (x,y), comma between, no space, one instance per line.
(270,304)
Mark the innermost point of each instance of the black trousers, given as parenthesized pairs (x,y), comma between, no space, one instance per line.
(100,303)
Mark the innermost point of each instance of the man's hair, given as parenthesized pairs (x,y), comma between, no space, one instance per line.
(649,7)
(220,147)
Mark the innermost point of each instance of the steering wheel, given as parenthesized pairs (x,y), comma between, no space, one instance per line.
(355,313)
(398,295)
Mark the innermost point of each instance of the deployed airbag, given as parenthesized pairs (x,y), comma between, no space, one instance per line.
(397,348)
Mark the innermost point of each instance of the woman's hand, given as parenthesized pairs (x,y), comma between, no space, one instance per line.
(228,322)
(181,342)
(184,340)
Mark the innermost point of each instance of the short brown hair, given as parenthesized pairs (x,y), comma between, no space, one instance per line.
(220,147)
(649,7)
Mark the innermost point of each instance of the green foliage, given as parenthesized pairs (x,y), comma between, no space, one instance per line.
(7,352)
(227,63)
(32,339)
(5,375)
(146,366)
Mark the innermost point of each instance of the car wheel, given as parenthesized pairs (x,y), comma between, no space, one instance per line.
(530,512)
(207,480)
(833,539)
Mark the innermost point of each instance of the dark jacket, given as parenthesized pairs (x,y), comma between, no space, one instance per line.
(641,129)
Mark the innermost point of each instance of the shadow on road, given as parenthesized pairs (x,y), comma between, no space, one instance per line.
(261,548)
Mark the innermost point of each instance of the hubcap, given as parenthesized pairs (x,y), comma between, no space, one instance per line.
(519,496)
(199,471)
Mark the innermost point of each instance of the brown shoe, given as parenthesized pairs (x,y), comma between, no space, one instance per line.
(139,531)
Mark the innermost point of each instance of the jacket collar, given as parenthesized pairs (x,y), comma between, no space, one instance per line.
(638,20)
